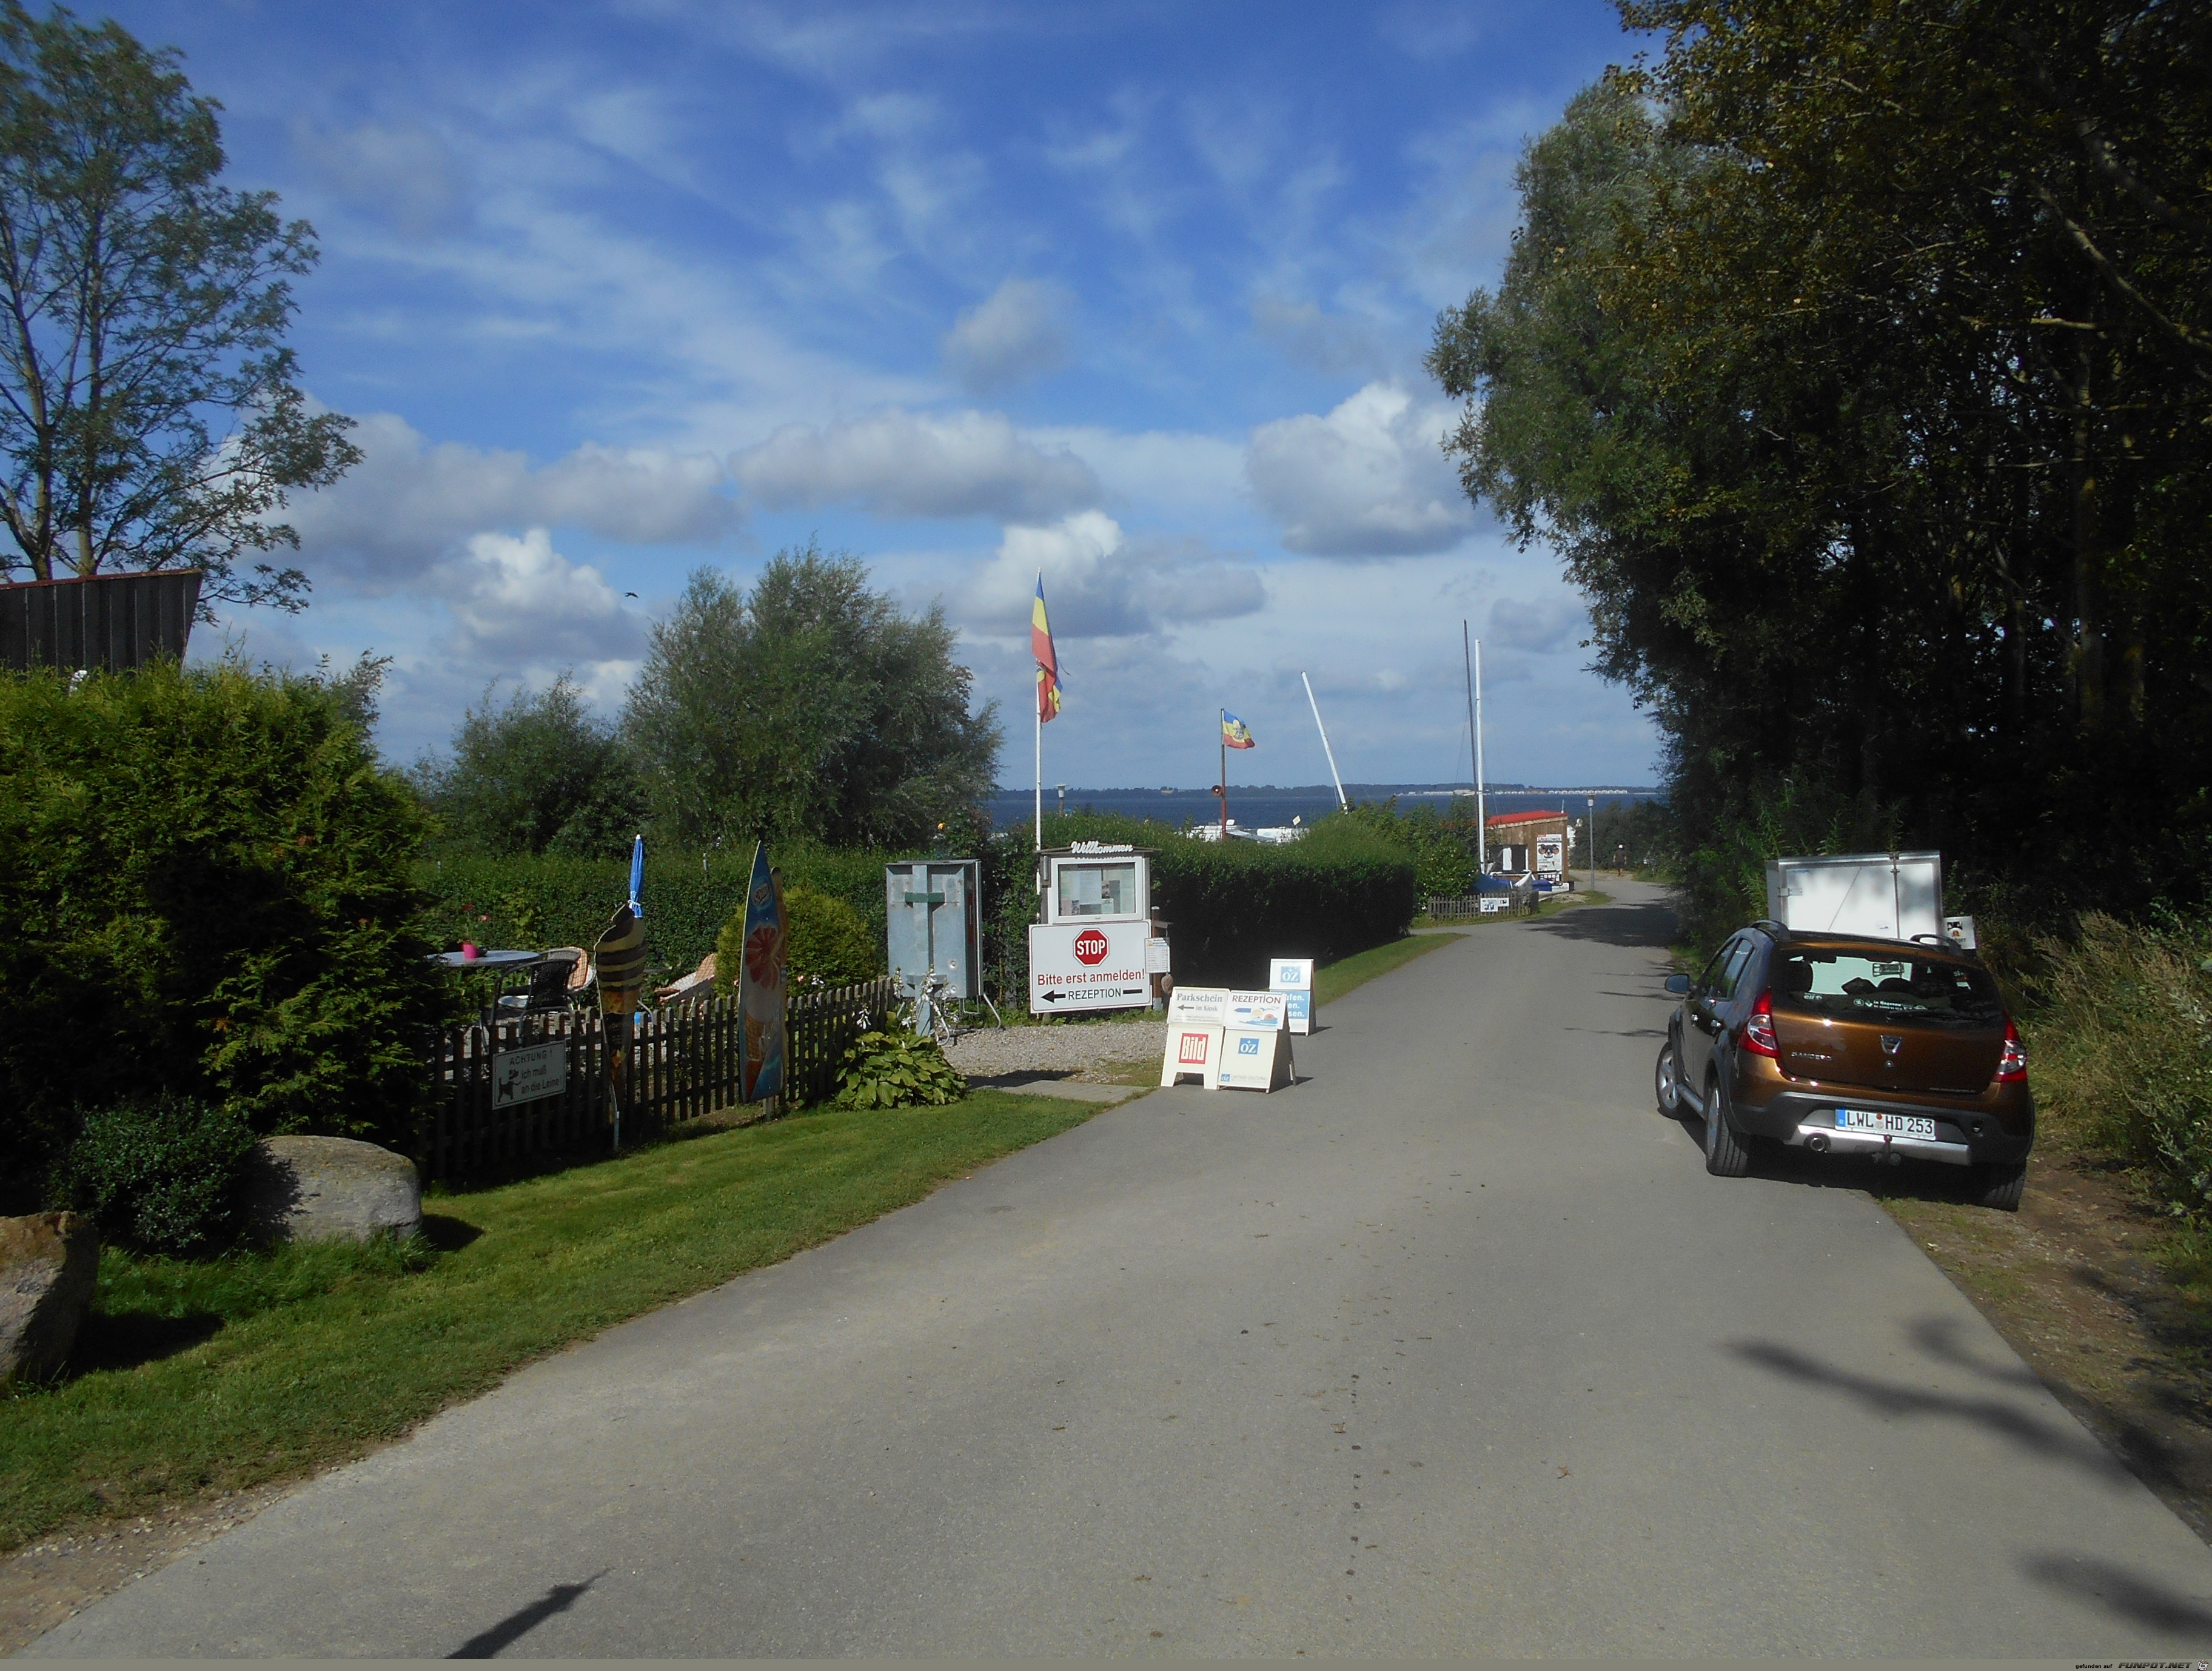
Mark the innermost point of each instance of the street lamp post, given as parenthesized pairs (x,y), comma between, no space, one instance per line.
(1592,802)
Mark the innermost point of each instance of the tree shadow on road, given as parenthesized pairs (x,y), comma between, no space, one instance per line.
(2137,1600)
(2053,1441)
(1648,925)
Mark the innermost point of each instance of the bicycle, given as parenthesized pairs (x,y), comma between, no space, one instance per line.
(927,1011)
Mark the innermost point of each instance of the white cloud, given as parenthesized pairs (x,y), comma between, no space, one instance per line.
(901,464)
(1020,332)
(406,173)
(518,601)
(1368,480)
(410,502)
(1547,625)
(1098,583)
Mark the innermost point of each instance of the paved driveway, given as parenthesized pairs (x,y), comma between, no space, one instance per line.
(1453,1348)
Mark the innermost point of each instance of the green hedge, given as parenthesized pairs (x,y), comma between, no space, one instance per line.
(1231,905)
(205,893)
(557,899)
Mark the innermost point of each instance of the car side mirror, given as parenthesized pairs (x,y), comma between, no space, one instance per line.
(1678,984)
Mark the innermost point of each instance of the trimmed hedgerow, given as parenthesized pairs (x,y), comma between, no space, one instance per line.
(207,892)
(1231,905)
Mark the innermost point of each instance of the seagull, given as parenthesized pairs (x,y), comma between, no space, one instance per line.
(629,594)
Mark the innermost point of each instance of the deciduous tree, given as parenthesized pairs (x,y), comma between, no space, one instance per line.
(149,413)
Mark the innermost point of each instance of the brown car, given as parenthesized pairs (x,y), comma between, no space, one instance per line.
(1840,1044)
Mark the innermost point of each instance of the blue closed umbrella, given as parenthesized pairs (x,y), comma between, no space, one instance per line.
(637,877)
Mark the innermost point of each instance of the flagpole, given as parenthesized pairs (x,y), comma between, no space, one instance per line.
(1482,824)
(1224,773)
(1039,705)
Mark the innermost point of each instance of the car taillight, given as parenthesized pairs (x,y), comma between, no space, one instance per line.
(1759,1028)
(2012,1066)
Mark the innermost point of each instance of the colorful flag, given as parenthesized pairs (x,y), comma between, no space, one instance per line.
(1048,664)
(1235,733)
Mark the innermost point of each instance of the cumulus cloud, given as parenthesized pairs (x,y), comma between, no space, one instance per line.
(516,601)
(1542,627)
(410,503)
(1019,333)
(1366,481)
(406,174)
(1098,583)
(901,464)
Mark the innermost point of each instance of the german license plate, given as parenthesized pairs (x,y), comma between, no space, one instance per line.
(1884,1124)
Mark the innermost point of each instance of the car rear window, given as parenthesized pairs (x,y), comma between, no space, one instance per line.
(1869,986)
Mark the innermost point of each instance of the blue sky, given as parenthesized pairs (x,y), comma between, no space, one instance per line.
(1133,294)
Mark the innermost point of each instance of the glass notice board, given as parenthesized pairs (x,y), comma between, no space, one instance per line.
(1103,889)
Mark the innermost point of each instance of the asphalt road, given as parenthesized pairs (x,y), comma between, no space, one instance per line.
(1452,1348)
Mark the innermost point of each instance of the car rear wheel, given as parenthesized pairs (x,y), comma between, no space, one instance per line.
(1726,1157)
(2000,1186)
(1667,1083)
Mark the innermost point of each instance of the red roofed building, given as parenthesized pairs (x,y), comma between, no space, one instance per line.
(1518,843)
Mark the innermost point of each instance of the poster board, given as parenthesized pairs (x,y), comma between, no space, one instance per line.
(1193,1049)
(1294,978)
(1254,1058)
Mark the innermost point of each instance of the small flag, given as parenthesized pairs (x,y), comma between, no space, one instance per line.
(1235,733)
(1048,664)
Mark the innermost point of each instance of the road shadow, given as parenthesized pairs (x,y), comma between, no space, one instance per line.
(2043,1439)
(488,1643)
(2139,1601)
(1646,925)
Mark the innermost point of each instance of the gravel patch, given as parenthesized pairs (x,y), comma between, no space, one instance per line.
(1084,1051)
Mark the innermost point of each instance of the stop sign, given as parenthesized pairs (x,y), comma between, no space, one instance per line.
(1090,947)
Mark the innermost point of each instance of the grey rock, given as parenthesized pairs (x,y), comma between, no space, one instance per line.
(330,1189)
(48,1264)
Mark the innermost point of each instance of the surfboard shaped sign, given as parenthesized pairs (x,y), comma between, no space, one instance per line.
(762,979)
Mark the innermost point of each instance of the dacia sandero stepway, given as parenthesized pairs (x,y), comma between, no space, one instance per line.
(1840,1044)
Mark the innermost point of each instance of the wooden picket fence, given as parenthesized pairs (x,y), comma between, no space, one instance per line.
(683,1064)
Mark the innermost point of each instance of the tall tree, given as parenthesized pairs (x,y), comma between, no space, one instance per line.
(537,773)
(812,708)
(148,417)
(1853,355)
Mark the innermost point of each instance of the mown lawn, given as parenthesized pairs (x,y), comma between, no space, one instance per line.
(198,1378)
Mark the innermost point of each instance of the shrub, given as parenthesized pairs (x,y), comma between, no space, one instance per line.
(897,1070)
(162,1175)
(2123,1048)
(207,890)
(828,941)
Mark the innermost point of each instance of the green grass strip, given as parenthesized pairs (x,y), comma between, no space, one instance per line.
(200,1378)
(1332,981)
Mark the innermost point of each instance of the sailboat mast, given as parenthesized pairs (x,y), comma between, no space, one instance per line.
(1343,805)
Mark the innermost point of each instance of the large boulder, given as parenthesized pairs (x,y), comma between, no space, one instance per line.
(330,1189)
(48,1264)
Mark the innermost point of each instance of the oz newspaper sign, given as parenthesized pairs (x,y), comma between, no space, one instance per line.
(1088,966)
